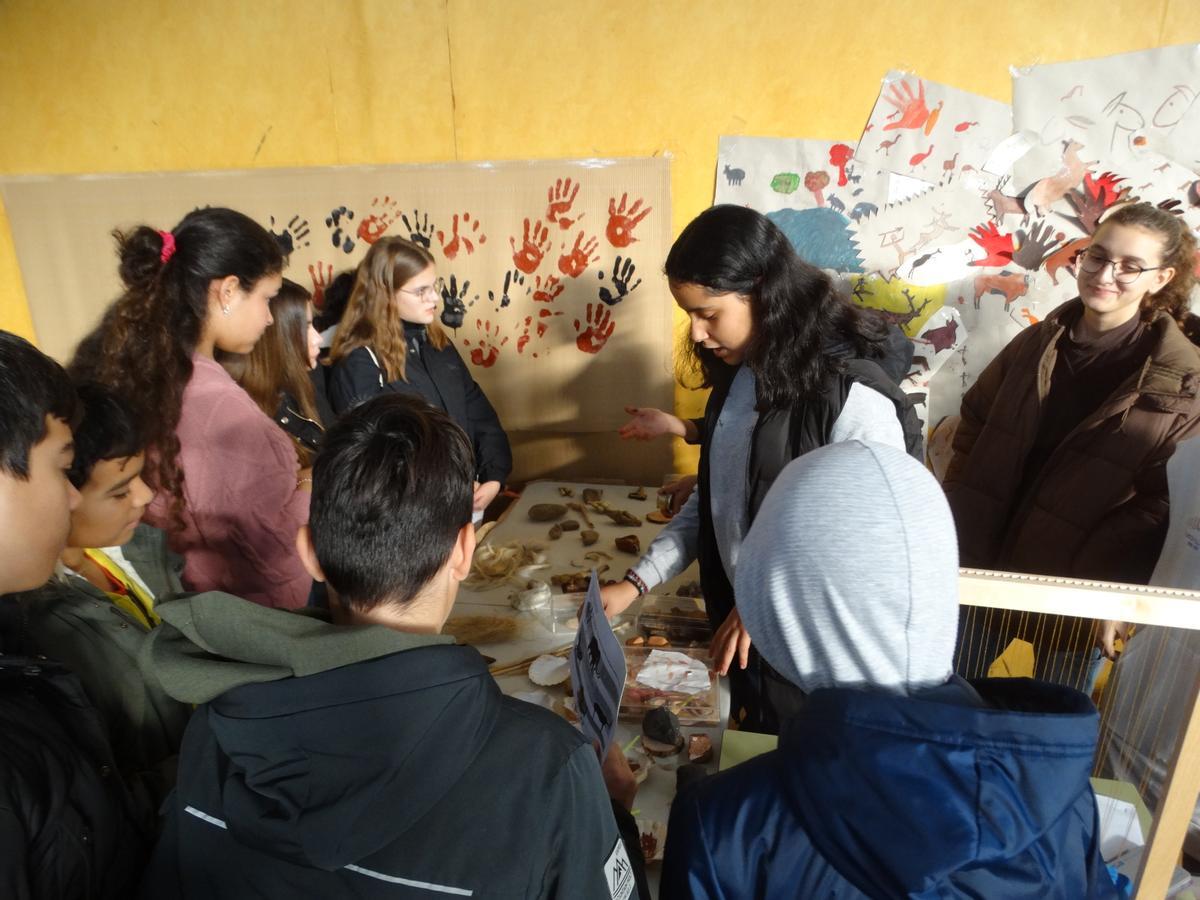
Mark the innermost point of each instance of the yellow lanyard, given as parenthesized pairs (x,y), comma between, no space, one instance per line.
(135,601)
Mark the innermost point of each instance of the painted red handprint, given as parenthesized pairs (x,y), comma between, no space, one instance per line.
(576,260)
(487,349)
(559,199)
(461,241)
(523,340)
(599,329)
(321,276)
(543,315)
(999,247)
(909,107)
(547,291)
(381,215)
(533,247)
(622,222)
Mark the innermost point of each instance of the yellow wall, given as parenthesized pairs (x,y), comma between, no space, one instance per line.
(118,85)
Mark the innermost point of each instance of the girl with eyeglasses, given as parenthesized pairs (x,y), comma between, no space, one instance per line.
(389,340)
(1059,464)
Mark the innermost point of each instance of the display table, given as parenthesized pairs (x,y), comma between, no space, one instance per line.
(527,634)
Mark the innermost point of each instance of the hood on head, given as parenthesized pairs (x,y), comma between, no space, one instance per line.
(849,574)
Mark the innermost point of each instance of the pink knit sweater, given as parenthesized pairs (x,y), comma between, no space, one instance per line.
(243,507)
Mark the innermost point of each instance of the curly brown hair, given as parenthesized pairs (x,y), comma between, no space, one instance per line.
(371,318)
(143,346)
(1178,253)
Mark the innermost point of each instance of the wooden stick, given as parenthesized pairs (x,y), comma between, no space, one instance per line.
(1175,809)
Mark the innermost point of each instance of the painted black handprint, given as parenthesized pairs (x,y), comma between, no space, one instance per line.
(512,279)
(292,235)
(454,306)
(1035,246)
(621,276)
(338,221)
(420,230)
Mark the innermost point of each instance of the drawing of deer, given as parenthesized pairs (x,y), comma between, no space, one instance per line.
(1050,190)
(903,319)
(734,176)
(1010,285)
(1004,205)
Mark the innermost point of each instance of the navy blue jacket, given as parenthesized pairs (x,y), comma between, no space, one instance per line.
(952,794)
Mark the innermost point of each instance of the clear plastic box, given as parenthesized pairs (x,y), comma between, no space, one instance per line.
(703,708)
(682,621)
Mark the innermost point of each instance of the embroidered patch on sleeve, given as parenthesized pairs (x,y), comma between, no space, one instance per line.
(618,873)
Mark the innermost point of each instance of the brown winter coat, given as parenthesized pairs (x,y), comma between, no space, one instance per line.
(1098,508)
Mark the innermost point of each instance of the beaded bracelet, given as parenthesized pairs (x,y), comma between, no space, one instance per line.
(636,580)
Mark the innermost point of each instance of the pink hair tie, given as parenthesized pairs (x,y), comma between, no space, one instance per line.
(168,248)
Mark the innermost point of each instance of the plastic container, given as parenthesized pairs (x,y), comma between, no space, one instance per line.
(702,708)
(682,621)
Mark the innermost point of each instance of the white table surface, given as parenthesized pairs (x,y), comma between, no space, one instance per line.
(534,636)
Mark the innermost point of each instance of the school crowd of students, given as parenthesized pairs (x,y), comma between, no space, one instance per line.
(175,725)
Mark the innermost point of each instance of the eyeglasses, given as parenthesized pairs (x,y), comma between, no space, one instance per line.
(1094,262)
(428,292)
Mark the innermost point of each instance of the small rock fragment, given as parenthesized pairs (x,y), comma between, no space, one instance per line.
(638,494)
(636,641)
(555,532)
(700,748)
(568,525)
(629,544)
(589,537)
(547,512)
(566,491)
(660,733)
(657,640)
(592,495)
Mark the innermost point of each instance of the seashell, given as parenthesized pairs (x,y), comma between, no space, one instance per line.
(638,494)
(636,641)
(534,595)
(566,492)
(657,640)
(547,512)
(658,517)
(549,670)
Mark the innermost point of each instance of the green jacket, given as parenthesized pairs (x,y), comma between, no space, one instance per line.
(75,623)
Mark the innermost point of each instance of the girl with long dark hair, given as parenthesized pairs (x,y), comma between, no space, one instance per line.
(230,491)
(793,365)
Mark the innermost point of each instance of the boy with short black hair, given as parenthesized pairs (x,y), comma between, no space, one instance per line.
(372,756)
(67,828)
(95,613)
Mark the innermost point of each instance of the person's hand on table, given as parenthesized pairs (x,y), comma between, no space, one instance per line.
(617,597)
(730,640)
(1110,632)
(678,490)
(484,494)
(618,777)
(648,423)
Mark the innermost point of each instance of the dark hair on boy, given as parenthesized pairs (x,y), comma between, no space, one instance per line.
(337,295)
(32,386)
(392,487)
(107,429)
(144,343)
(798,313)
